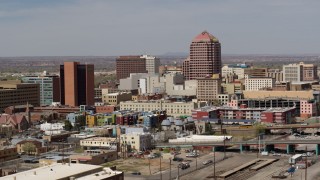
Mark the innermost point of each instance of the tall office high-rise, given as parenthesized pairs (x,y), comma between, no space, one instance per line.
(300,72)
(49,87)
(205,57)
(129,64)
(77,84)
(152,64)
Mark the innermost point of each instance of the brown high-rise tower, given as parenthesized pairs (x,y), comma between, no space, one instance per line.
(130,64)
(77,84)
(205,57)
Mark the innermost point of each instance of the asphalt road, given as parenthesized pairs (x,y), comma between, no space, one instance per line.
(195,164)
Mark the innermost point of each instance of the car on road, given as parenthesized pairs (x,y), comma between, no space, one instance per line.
(192,155)
(184,165)
(136,173)
(276,154)
(207,162)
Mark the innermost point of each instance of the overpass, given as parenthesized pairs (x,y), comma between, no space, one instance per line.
(294,126)
(243,144)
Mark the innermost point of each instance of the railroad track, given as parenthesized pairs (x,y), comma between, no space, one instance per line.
(244,174)
(268,177)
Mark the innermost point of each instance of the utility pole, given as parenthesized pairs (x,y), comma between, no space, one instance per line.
(178,172)
(170,168)
(196,159)
(160,169)
(214,162)
(224,137)
(259,146)
(306,170)
(149,166)
(224,147)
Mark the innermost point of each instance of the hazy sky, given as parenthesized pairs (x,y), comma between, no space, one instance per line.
(125,27)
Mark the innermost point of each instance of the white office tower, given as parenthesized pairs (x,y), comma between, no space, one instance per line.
(152,64)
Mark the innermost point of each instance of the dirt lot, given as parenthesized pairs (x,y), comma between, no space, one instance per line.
(139,164)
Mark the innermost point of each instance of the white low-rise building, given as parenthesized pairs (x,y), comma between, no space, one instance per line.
(51,126)
(200,139)
(67,171)
(172,108)
(137,141)
(99,143)
(255,84)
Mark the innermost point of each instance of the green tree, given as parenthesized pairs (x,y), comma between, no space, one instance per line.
(67,125)
(260,128)
(216,102)
(29,148)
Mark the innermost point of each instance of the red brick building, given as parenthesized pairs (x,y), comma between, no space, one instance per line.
(278,115)
(77,84)
(105,109)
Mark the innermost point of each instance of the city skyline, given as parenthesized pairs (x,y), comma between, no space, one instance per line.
(99,28)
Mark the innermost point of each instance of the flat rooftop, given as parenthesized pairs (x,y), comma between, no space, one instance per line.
(54,171)
(106,173)
(100,139)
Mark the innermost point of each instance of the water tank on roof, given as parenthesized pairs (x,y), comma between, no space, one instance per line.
(171,119)
(178,122)
(189,119)
(166,122)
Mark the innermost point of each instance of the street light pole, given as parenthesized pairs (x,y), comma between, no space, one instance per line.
(160,169)
(306,170)
(224,136)
(178,172)
(170,168)
(214,162)
(149,166)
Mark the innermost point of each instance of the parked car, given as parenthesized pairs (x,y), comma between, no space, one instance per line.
(304,155)
(177,159)
(207,162)
(151,156)
(309,154)
(136,173)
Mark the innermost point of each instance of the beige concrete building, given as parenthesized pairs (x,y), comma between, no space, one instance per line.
(307,95)
(152,64)
(232,88)
(316,87)
(276,74)
(223,98)
(209,88)
(310,72)
(116,98)
(152,84)
(131,82)
(177,86)
(254,84)
(256,72)
(172,108)
(300,72)
(230,69)
(292,73)
(14,92)
(136,141)
(99,143)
